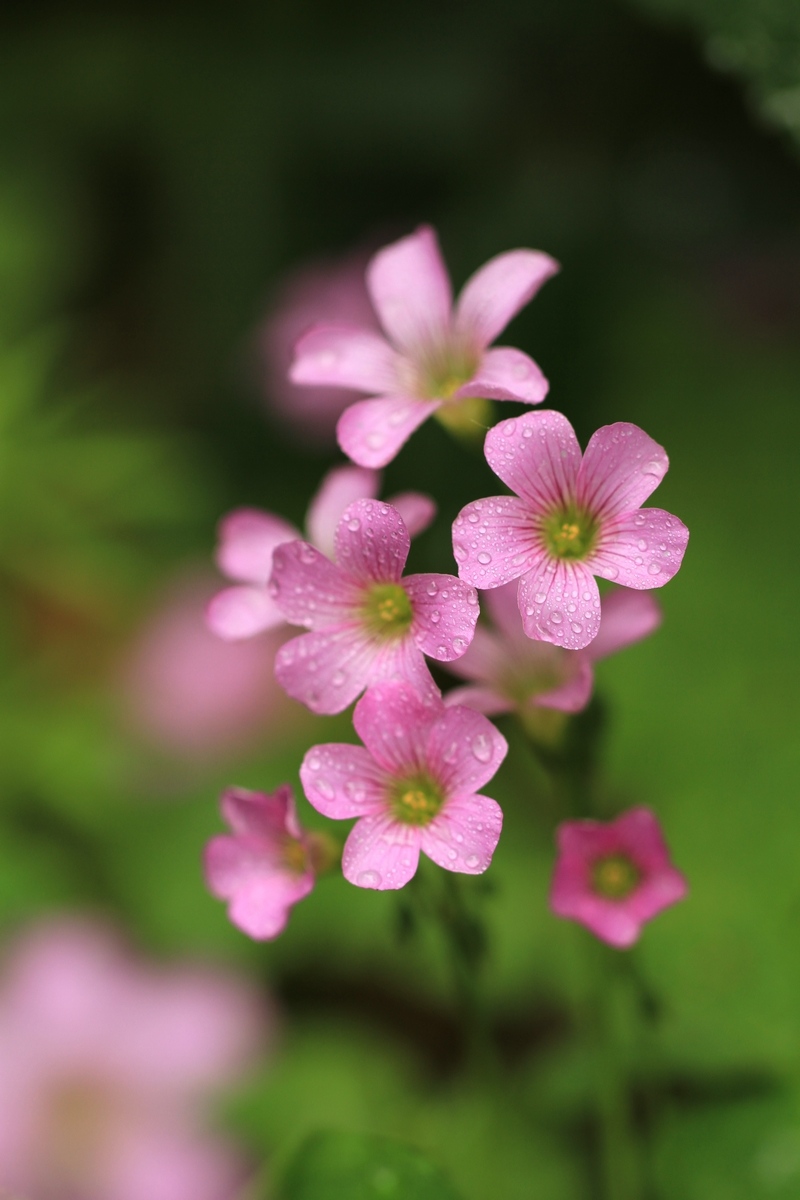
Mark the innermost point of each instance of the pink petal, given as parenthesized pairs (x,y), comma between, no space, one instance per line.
(327,669)
(574,694)
(498,290)
(393,722)
(625,617)
(640,550)
(638,833)
(381,853)
(480,699)
(417,510)
(537,455)
(657,892)
(620,468)
(340,487)
(464,835)
(308,589)
(445,613)
(503,607)
(260,907)
(485,659)
(372,542)
(242,612)
(247,539)
(371,432)
(495,541)
(343,781)
(259,813)
(560,603)
(156,1158)
(231,863)
(345,356)
(402,661)
(410,289)
(506,374)
(464,750)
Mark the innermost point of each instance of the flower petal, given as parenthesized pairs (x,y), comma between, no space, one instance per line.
(445,612)
(621,467)
(464,750)
(625,617)
(372,542)
(393,722)
(259,813)
(327,669)
(403,662)
(417,510)
(537,455)
(247,538)
(410,288)
(242,612)
(340,487)
(343,781)
(506,374)
(371,432)
(498,290)
(345,356)
(574,694)
(308,589)
(464,835)
(641,550)
(480,699)
(485,659)
(495,541)
(260,908)
(381,853)
(559,602)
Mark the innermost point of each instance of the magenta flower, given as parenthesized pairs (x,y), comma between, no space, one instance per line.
(106,1067)
(569,521)
(434,359)
(412,785)
(265,865)
(613,877)
(511,672)
(248,537)
(368,623)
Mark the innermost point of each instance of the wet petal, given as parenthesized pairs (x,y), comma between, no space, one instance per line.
(339,488)
(371,432)
(417,510)
(621,467)
(372,542)
(308,589)
(506,374)
(464,750)
(495,541)
(445,612)
(343,781)
(464,835)
(410,288)
(327,669)
(537,455)
(559,602)
(640,550)
(393,722)
(381,853)
(498,290)
(345,356)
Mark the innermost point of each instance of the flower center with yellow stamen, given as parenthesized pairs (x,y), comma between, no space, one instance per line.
(615,877)
(570,533)
(295,856)
(387,610)
(416,800)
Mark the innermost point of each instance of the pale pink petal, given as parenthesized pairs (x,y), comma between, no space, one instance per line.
(640,550)
(498,290)
(417,510)
(621,467)
(637,832)
(625,617)
(495,541)
(560,603)
(402,661)
(506,374)
(372,542)
(609,920)
(247,539)
(159,1159)
(574,694)
(381,853)
(345,356)
(260,906)
(410,289)
(445,612)
(485,659)
(464,834)
(340,487)
(502,605)
(232,863)
(327,669)
(343,781)
(656,892)
(260,813)
(371,432)
(393,721)
(464,750)
(308,589)
(481,699)
(537,455)
(242,612)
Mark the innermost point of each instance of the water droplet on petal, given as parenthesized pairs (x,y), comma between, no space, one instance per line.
(556,617)
(484,557)
(482,748)
(459,645)
(432,588)
(353,524)
(308,554)
(313,763)
(369,879)
(472,861)
(654,568)
(325,789)
(473,517)
(338,678)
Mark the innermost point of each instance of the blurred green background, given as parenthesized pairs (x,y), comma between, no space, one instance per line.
(162,169)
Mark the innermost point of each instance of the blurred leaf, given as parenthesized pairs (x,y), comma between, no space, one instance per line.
(351,1166)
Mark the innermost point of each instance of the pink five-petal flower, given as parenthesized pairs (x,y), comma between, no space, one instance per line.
(413,785)
(367,622)
(433,357)
(612,877)
(571,519)
(508,671)
(265,865)
(248,538)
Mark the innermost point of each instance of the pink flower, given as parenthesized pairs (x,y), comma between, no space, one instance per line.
(433,358)
(412,785)
(569,521)
(105,1065)
(613,877)
(249,536)
(368,624)
(511,672)
(265,866)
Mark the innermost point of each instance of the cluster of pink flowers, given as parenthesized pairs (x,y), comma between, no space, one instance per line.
(414,785)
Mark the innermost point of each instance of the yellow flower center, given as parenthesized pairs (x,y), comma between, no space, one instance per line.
(615,877)
(570,533)
(387,610)
(416,800)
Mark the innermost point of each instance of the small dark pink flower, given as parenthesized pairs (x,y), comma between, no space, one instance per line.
(248,538)
(412,785)
(570,520)
(367,622)
(612,877)
(265,865)
(434,358)
(511,672)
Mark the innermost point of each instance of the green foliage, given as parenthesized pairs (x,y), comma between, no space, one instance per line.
(348,1166)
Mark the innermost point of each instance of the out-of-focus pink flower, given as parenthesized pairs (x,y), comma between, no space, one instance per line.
(612,877)
(265,865)
(194,695)
(570,520)
(367,623)
(105,1066)
(511,672)
(332,290)
(248,538)
(434,358)
(412,785)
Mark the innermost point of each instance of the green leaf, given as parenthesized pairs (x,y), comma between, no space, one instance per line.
(350,1166)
